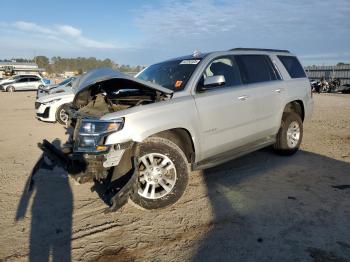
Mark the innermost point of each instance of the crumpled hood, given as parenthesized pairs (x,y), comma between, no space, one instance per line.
(61,89)
(102,74)
(49,87)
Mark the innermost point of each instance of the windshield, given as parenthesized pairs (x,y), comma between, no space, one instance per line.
(75,83)
(66,81)
(171,74)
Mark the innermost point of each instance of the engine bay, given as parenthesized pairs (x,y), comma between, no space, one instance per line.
(113,95)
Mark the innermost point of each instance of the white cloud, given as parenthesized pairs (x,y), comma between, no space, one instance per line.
(69,30)
(206,19)
(90,43)
(31,27)
(77,35)
(67,34)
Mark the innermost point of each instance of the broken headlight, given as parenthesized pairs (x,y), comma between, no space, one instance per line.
(92,134)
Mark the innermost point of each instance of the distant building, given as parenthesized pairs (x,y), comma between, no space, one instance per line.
(14,68)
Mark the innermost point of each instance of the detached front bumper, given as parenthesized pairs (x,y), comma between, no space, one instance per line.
(95,167)
(82,167)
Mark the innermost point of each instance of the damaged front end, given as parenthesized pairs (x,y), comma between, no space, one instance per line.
(86,156)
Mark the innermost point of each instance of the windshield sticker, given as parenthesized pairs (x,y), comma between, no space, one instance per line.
(178,83)
(190,62)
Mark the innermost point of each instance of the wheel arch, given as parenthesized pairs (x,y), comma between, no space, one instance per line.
(182,138)
(296,106)
(9,87)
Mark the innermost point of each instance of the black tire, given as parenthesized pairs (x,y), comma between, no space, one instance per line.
(10,89)
(174,153)
(58,117)
(281,146)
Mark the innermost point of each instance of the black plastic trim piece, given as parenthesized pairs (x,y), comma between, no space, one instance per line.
(259,49)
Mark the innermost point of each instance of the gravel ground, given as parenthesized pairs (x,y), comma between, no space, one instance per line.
(260,207)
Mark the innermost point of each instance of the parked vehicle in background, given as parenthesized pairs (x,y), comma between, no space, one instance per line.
(141,137)
(324,86)
(345,89)
(45,90)
(50,106)
(21,83)
(15,77)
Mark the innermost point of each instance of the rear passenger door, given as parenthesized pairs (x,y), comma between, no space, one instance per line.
(261,77)
(33,83)
(226,115)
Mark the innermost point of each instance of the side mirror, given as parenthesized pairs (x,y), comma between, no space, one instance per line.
(213,81)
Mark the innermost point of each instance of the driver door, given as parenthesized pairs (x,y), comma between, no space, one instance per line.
(226,112)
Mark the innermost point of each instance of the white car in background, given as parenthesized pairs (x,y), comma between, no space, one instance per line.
(21,83)
(15,77)
(50,107)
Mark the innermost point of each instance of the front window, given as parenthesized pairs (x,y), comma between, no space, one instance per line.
(225,66)
(173,75)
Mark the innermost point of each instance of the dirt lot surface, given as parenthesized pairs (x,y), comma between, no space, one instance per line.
(260,207)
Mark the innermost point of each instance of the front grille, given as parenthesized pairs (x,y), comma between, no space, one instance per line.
(37,105)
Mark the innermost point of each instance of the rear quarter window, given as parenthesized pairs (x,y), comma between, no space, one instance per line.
(293,66)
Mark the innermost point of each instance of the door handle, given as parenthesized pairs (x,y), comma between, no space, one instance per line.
(243,98)
(279,90)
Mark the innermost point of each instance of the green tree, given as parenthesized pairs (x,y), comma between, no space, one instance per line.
(42,62)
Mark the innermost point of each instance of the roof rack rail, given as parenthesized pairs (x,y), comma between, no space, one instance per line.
(258,49)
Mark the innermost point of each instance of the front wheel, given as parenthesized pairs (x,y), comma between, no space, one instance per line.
(162,173)
(290,134)
(61,115)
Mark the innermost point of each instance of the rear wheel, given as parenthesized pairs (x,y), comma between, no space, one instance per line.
(162,173)
(61,115)
(10,89)
(290,134)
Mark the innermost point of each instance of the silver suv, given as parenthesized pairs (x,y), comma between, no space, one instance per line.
(141,137)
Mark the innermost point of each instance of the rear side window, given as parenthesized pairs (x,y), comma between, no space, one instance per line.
(256,68)
(293,66)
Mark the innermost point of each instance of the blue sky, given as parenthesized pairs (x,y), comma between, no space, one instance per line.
(145,32)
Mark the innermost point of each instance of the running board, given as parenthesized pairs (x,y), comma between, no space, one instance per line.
(234,153)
